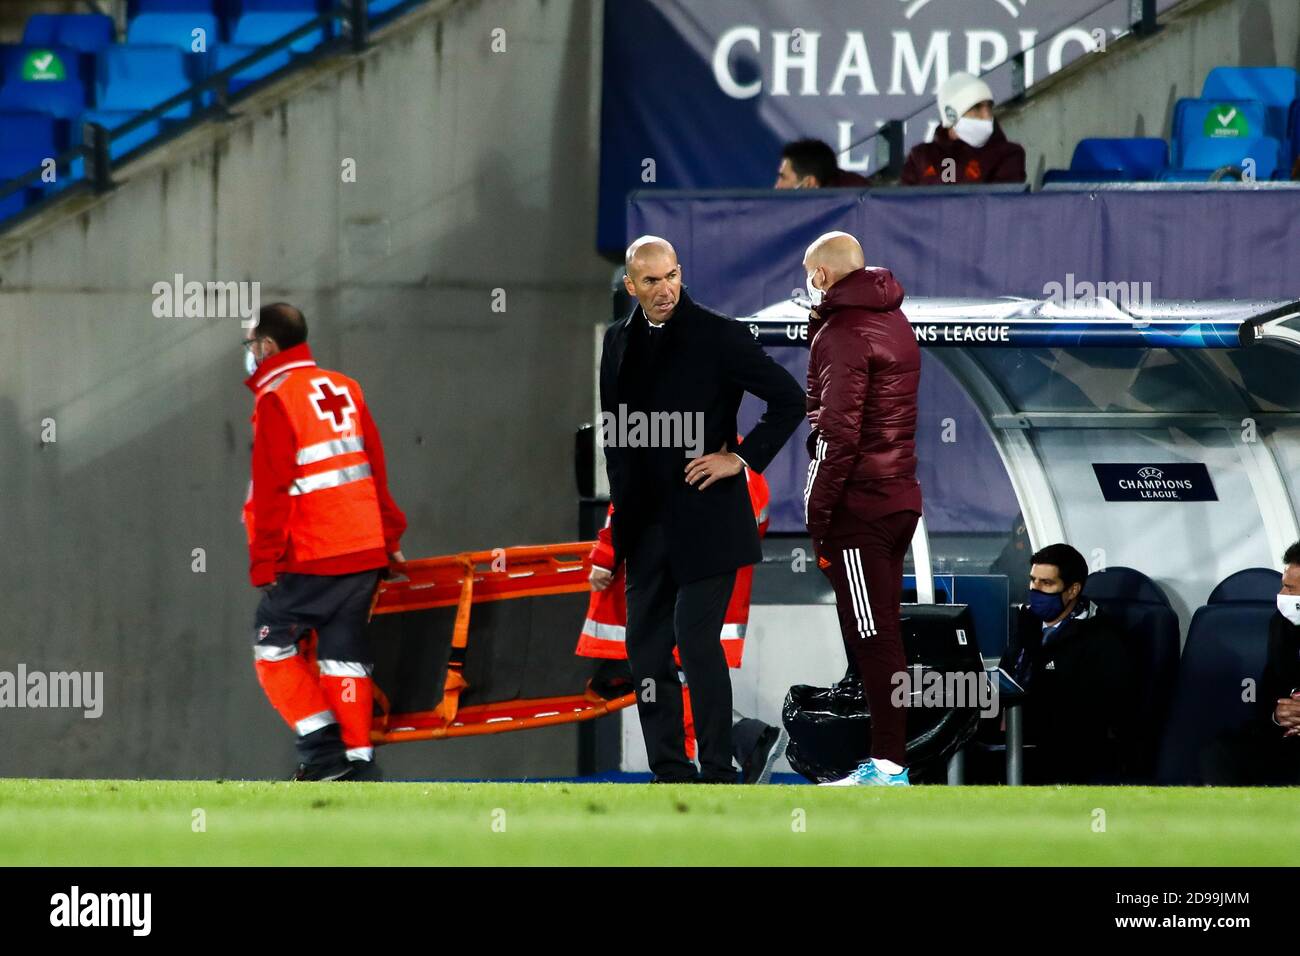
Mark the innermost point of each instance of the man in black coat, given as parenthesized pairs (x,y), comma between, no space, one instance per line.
(671,379)
(1081,676)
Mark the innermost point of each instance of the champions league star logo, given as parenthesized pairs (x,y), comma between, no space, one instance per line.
(1012,7)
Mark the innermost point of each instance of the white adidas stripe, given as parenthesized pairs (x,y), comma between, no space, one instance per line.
(812,476)
(858,588)
(871,617)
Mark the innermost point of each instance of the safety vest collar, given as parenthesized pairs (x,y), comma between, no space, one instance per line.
(299,356)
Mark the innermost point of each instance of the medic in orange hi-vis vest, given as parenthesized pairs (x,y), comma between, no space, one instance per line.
(321,528)
(603,632)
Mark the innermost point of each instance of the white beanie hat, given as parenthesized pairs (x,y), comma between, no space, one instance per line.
(959,93)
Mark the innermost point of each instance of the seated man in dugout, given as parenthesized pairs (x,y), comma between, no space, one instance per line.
(1266,752)
(1079,673)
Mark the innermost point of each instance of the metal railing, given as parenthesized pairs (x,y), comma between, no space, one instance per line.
(353,19)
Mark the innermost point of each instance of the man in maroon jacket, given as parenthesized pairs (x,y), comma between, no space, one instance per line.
(862,499)
(969,147)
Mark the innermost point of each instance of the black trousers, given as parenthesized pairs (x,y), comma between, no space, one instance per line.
(661,615)
(1256,755)
(336,607)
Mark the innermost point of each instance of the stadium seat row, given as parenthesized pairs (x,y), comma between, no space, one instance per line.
(1245,118)
(69,70)
(1191,700)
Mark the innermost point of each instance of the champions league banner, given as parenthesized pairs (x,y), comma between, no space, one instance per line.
(1089,318)
(701,94)
(988,269)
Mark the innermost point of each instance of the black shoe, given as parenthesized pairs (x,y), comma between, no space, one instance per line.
(363,771)
(769,749)
(730,779)
(674,779)
(613,679)
(328,770)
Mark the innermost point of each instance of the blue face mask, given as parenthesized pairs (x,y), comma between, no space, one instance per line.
(1044,606)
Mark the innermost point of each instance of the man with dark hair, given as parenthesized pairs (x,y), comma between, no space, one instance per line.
(282,324)
(1080,675)
(321,527)
(811,164)
(1266,752)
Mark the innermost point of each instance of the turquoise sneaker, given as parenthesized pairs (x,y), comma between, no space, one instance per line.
(869,775)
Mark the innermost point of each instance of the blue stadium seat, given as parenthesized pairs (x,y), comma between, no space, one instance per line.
(1214,119)
(45,79)
(1226,645)
(87,32)
(140,77)
(1132,159)
(1141,608)
(378,7)
(1141,156)
(1245,587)
(63,99)
(174,29)
(261,28)
(228,54)
(1086,176)
(1203,156)
(26,140)
(254,30)
(12,204)
(297,6)
(1274,86)
(135,79)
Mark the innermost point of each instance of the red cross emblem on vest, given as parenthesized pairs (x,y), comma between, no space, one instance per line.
(335,407)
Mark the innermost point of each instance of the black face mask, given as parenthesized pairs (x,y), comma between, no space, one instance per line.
(1046,607)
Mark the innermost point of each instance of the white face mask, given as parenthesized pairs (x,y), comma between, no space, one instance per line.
(973,132)
(1289,606)
(814,293)
(250,363)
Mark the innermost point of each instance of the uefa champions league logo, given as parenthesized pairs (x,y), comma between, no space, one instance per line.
(1150,472)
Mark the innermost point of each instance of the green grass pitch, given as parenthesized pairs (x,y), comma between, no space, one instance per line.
(106,822)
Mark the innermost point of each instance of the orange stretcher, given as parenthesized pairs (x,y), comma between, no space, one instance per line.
(462,581)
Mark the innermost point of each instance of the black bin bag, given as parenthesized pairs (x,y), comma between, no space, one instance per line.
(830,727)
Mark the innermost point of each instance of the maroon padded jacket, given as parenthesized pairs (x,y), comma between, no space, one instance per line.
(864,368)
(997,161)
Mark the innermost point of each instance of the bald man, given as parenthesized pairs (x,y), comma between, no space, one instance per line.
(682,517)
(862,500)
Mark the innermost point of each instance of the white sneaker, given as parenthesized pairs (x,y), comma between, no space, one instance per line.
(869,775)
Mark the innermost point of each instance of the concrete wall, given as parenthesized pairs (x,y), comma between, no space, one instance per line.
(1131,89)
(475,171)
